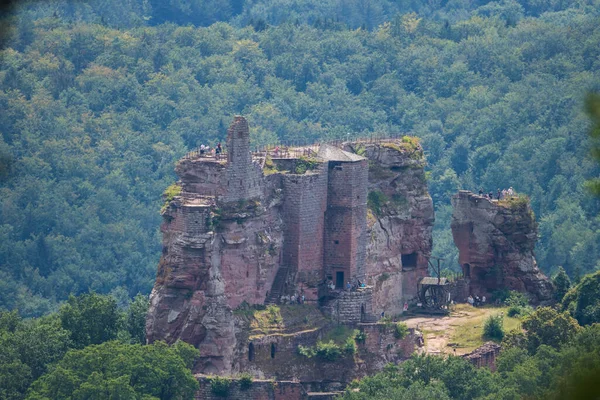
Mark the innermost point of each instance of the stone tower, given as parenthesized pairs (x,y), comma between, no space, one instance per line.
(243,176)
(345,238)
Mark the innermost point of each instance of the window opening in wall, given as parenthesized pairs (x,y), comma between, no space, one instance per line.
(273,350)
(251,352)
(409,261)
(467,270)
(339,280)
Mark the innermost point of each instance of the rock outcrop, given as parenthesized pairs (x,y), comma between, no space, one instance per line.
(247,230)
(495,240)
(399,222)
(484,356)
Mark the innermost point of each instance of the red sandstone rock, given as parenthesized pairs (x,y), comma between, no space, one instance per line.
(235,236)
(485,355)
(403,226)
(495,241)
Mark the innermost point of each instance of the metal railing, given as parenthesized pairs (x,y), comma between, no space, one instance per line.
(297,148)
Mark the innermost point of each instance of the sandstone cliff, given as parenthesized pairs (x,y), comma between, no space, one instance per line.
(495,240)
(399,223)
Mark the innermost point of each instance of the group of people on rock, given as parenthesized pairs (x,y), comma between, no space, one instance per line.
(500,194)
(205,149)
(350,286)
(354,285)
(476,301)
(293,299)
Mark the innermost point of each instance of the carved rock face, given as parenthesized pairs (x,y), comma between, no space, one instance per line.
(495,241)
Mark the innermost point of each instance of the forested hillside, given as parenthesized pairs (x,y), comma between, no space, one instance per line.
(98,99)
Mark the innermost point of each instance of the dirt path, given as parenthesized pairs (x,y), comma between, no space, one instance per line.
(440,331)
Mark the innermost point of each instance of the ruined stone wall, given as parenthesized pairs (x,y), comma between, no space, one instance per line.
(258,390)
(250,253)
(202,175)
(495,243)
(303,212)
(277,356)
(244,177)
(484,356)
(349,307)
(382,341)
(345,220)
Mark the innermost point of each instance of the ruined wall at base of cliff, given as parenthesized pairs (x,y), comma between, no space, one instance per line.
(257,390)
(495,241)
(277,355)
(399,228)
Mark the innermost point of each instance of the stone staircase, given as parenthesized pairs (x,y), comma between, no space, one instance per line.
(278,285)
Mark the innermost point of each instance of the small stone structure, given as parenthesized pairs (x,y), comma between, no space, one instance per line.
(485,355)
(495,241)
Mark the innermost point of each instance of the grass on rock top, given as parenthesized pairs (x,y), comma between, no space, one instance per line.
(469,335)
(285,319)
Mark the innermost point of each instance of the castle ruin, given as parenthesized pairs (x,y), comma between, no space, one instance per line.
(255,229)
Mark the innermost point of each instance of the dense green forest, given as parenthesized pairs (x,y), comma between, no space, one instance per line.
(99,99)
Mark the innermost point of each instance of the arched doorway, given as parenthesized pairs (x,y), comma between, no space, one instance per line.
(467,270)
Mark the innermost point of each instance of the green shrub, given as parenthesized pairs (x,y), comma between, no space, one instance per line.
(328,351)
(350,346)
(169,194)
(401,330)
(517,299)
(519,311)
(514,311)
(360,337)
(245,381)
(274,314)
(219,386)
(494,327)
(500,295)
(375,200)
(306,351)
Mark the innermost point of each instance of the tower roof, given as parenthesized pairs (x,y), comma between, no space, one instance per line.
(332,153)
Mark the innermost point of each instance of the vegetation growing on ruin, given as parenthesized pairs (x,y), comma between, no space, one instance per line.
(409,145)
(339,341)
(305,164)
(376,200)
(400,330)
(328,350)
(169,194)
(219,386)
(270,168)
(245,380)
(283,319)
